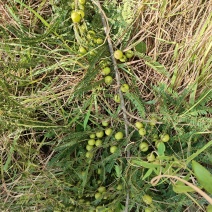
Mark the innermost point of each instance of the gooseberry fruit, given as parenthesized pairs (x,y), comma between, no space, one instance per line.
(82,1)
(105,123)
(144,146)
(99,41)
(98,143)
(153,121)
(108,80)
(98,195)
(91,142)
(75,16)
(129,54)
(101,189)
(108,131)
(89,154)
(147,199)
(119,187)
(113,149)
(118,54)
(117,98)
(165,137)
(82,50)
(142,131)
(148,210)
(99,171)
(99,134)
(92,135)
(151,157)
(89,147)
(123,59)
(106,71)
(125,88)
(119,135)
(138,125)
(81,12)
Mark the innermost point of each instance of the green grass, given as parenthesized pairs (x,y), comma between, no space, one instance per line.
(52,98)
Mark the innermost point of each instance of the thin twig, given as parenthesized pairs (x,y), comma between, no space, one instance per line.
(117,74)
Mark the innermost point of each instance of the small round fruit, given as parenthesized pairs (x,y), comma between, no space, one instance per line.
(119,135)
(82,1)
(153,121)
(91,142)
(165,137)
(117,98)
(106,71)
(105,123)
(89,155)
(125,88)
(98,195)
(82,13)
(144,146)
(118,54)
(99,134)
(108,131)
(129,54)
(113,149)
(98,143)
(99,41)
(89,147)
(99,182)
(108,80)
(82,50)
(147,199)
(123,59)
(142,132)
(99,171)
(119,187)
(92,135)
(138,125)
(148,210)
(150,157)
(157,143)
(101,189)
(75,16)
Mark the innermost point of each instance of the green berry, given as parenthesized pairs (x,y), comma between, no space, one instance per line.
(108,80)
(144,146)
(125,88)
(113,149)
(117,98)
(138,125)
(91,142)
(142,131)
(108,131)
(119,135)
(98,143)
(147,199)
(99,134)
(106,71)
(118,54)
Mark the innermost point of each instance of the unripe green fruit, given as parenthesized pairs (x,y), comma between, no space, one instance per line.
(153,121)
(138,125)
(106,71)
(81,1)
(165,138)
(157,143)
(91,142)
(81,12)
(75,16)
(89,154)
(82,50)
(142,131)
(98,195)
(125,88)
(148,210)
(113,149)
(108,80)
(119,187)
(117,98)
(98,143)
(105,123)
(99,171)
(150,157)
(108,131)
(123,59)
(99,182)
(118,54)
(99,134)
(92,135)
(119,135)
(101,189)
(147,199)
(144,146)
(99,41)
(129,54)
(89,147)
